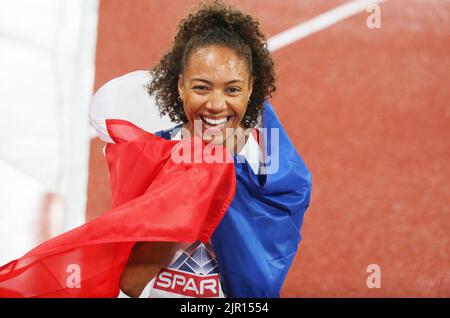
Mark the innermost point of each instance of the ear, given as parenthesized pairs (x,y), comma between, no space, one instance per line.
(180,85)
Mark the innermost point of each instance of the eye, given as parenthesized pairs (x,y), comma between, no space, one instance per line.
(200,87)
(233,90)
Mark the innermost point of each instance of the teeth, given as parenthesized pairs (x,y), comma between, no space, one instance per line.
(211,121)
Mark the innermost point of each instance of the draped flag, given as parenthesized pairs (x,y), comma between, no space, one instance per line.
(154,199)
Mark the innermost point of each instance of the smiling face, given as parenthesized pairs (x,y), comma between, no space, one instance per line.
(215,87)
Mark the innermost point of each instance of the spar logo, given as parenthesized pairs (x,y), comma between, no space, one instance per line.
(187,284)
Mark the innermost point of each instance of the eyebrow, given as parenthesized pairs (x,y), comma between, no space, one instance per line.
(210,83)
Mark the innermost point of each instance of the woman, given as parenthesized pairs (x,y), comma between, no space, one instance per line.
(215,79)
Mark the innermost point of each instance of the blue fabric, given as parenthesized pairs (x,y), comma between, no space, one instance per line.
(257,239)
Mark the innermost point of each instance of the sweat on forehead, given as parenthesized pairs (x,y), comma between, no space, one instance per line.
(215,60)
(197,44)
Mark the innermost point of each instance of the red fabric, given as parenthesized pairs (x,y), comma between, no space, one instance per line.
(154,199)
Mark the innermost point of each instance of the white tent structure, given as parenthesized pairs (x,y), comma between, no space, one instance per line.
(47,55)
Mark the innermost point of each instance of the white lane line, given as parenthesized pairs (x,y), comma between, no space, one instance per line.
(318,23)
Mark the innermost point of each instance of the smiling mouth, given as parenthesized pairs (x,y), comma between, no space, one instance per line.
(216,123)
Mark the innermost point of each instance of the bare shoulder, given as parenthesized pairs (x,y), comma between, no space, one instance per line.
(145,261)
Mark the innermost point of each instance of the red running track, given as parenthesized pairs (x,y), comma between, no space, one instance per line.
(368,110)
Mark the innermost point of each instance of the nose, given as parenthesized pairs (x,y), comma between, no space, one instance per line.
(216,103)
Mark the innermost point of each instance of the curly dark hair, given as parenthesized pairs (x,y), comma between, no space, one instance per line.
(214,23)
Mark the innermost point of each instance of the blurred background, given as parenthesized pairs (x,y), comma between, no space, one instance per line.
(363,91)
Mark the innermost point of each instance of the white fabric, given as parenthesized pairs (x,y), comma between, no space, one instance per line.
(126,98)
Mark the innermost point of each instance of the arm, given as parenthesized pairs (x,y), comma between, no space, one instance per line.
(145,261)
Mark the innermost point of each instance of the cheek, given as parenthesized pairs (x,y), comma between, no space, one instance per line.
(240,110)
(191,107)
